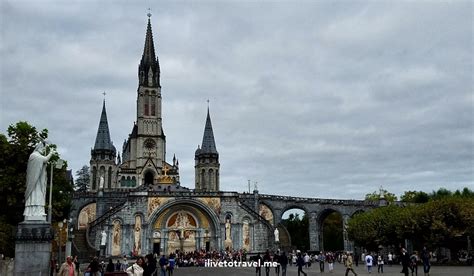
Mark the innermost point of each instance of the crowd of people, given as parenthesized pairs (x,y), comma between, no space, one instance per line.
(154,265)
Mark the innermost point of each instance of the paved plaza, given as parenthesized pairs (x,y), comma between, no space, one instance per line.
(314,270)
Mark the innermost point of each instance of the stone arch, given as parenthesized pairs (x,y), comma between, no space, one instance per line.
(301,236)
(148,177)
(86,214)
(356,212)
(266,212)
(212,234)
(338,233)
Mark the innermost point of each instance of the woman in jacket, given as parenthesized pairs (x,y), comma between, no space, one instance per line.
(137,268)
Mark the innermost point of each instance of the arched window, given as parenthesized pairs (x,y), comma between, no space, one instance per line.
(153,107)
(94,178)
(211,179)
(149,178)
(109,178)
(146,100)
(203,181)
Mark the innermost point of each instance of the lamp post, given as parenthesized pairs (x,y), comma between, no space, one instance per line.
(58,164)
(69,228)
(60,228)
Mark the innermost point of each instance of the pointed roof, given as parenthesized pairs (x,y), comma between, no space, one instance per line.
(208,143)
(149,59)
(148,56)
(102,140)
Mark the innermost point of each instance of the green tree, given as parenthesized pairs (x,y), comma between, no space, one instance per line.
(415,197)
(380,194)
(298,229)
(332,232)
(82,179)
(16,148)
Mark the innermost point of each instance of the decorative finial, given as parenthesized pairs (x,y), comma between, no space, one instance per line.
(103,93)
(149,13)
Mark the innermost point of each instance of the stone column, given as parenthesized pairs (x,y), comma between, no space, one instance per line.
(348,245)
(314,232)
(33,248)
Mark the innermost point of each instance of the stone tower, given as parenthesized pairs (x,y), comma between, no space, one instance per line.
(103,156)
(144,152)
(207,161)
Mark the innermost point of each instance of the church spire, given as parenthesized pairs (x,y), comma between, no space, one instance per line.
(208,142)
(102,140)
(149,68)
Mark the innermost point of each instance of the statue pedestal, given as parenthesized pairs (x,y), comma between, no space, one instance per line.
(33,248)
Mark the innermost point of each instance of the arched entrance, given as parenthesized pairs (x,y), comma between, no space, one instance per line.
(331,231)
(149,178)
(184,225)
(296,224)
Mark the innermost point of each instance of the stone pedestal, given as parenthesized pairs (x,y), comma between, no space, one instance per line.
(33,248)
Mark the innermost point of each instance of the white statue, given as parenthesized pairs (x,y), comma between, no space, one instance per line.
(101,182)
(277,235)
(103,238)
(35,194)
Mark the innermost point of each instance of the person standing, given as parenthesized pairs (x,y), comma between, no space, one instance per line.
(330,260)
(349,264)
(137,268)
(414,263)
(380,263)
(258,268)
(150,268)
(68,268)
(300,263)
(171,264)
(322,259)
(110,266)
(283,263)
(369,262)
(266,260)
(276,258)
(390,258)
(405,259)
(425,258)
(163,262)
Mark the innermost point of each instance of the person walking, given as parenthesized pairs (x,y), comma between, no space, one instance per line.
(349,264)
(276,258)
(149,269)
(369,262)
(137,268)
(300,263)
(322,259)
(258,268)
(425,258)
(110,266)
(405,259)
(68,268)
(283,263)
(171,264)
(390,258)
(163,262)
(266,260)
(380,263)
(414,263)
(330,260)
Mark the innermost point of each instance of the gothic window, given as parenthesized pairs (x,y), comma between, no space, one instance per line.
(149,178)
(109,178)
(94,177)
(203,179)
(211,178)
(153,107)
(147,104)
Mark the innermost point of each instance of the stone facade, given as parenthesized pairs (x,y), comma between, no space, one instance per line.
(143,208)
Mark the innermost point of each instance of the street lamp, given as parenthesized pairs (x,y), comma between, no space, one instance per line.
(60,228)
(58,164)
(68,236)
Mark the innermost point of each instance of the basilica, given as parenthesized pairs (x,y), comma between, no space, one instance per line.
(136,204)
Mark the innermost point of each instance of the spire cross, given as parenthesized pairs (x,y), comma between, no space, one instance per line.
(149,13)
(103,93)
(208,103)
(165,169)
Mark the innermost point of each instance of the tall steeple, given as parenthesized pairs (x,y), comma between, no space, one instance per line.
(149,68)
(208,142)
(102,140)
(103,156)
(206,161)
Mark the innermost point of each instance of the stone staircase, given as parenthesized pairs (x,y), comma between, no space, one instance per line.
(80,247)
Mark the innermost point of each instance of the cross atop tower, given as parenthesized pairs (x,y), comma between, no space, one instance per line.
(103,93)
(149,13)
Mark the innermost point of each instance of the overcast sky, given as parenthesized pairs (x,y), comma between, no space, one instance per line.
(323,99)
